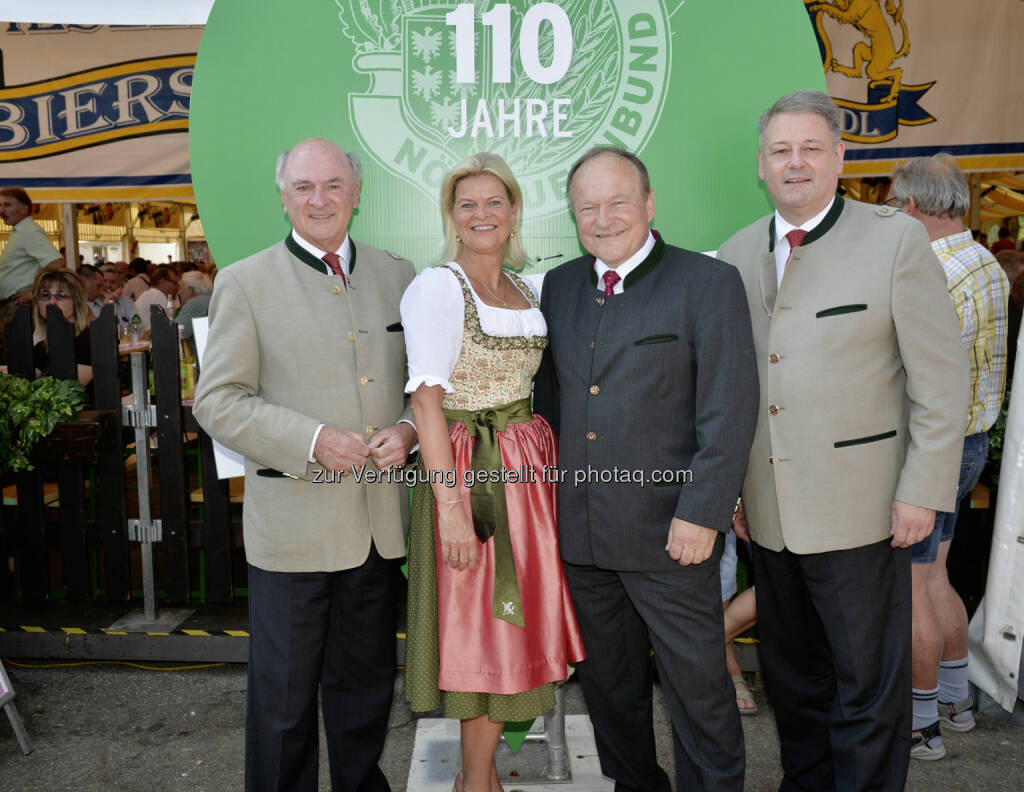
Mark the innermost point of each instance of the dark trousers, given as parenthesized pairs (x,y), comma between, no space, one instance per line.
(678,612)
(329,630)
(835,641)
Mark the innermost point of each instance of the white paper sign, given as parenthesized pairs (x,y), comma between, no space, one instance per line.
(230,464)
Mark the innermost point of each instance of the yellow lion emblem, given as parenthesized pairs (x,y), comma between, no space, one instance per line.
(875,57)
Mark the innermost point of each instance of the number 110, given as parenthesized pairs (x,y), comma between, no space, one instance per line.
(499,19)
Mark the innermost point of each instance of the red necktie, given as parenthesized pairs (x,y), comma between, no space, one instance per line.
(611,277)
(795,238)
(334,262)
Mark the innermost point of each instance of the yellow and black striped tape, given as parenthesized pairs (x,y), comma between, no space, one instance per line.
(23,628)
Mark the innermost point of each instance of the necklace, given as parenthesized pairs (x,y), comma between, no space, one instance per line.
(490,291)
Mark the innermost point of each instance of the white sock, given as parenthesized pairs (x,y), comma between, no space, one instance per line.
(953,681)
(953,685)
(926,708)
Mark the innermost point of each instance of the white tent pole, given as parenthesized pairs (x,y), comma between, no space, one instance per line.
(70,219)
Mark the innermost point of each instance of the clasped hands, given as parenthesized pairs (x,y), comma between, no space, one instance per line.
(341,449)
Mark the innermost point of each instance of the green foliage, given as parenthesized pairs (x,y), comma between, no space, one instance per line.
(996,435)
(29,411)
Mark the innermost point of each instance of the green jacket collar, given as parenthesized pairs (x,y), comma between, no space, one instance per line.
(308,258)
(818,231)
(642,269)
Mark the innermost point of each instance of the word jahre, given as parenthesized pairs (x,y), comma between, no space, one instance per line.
(513,120)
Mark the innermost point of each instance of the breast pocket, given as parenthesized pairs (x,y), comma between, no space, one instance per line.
(839,310)
(660,338)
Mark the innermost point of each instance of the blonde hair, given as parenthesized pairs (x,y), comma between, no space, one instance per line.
(475,165)
(65,280)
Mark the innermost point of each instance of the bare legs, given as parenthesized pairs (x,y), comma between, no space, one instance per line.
(740,616)
(949,609)
(479,739)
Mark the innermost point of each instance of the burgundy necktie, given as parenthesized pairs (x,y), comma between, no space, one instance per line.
(334,262)
(795,238)
(611,277)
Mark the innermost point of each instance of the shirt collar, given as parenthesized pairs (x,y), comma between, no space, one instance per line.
(782,227)
(626,266)
(343,251)
(957,241)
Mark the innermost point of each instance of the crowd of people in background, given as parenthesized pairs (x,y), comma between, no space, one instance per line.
(34,272)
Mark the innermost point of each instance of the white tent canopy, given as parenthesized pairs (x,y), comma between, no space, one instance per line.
(106,12)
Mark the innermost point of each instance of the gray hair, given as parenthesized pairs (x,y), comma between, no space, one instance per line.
(282,160)
(803,102)
(936,184)
(197,281)
(629,156)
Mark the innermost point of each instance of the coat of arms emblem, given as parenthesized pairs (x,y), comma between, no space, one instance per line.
(537,83)
(884,40)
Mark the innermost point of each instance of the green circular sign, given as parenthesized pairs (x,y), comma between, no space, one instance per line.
(413,87)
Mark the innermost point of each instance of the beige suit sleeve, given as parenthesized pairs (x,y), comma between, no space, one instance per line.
(228,402)
(938,386)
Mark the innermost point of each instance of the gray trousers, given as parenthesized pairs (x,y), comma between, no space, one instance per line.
(678,613)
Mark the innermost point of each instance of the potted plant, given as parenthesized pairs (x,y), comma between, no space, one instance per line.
(29,411)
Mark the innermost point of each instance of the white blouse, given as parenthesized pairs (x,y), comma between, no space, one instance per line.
(432,318)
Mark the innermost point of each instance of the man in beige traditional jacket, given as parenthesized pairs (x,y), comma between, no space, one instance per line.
(863,392)
(304,375)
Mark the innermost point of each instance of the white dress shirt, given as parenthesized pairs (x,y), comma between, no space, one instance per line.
(625,267)
(344,252)
(782,247)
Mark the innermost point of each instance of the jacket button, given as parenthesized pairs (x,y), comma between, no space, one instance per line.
(371,429)
(336,289)
(599,300)
(591,436)
(351,336)
(364,381)
(773,358)
(771,460)
(594,390)
(773,409)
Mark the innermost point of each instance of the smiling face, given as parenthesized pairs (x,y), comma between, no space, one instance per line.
(800,164)
(613,216)
(319,194)
(483,214)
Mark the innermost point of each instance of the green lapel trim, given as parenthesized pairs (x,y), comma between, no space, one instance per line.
(642,269)
(818,231)
(308,258)
(647,264)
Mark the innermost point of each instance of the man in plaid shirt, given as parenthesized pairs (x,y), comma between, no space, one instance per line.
(934,191)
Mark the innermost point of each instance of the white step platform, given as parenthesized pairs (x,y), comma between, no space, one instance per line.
(436,760)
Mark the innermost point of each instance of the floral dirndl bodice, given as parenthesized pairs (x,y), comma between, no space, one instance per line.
(492,370)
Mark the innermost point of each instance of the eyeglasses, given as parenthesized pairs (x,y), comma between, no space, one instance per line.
(58,296)
(894,202)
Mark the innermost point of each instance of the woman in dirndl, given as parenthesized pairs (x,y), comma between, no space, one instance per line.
(491,625)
